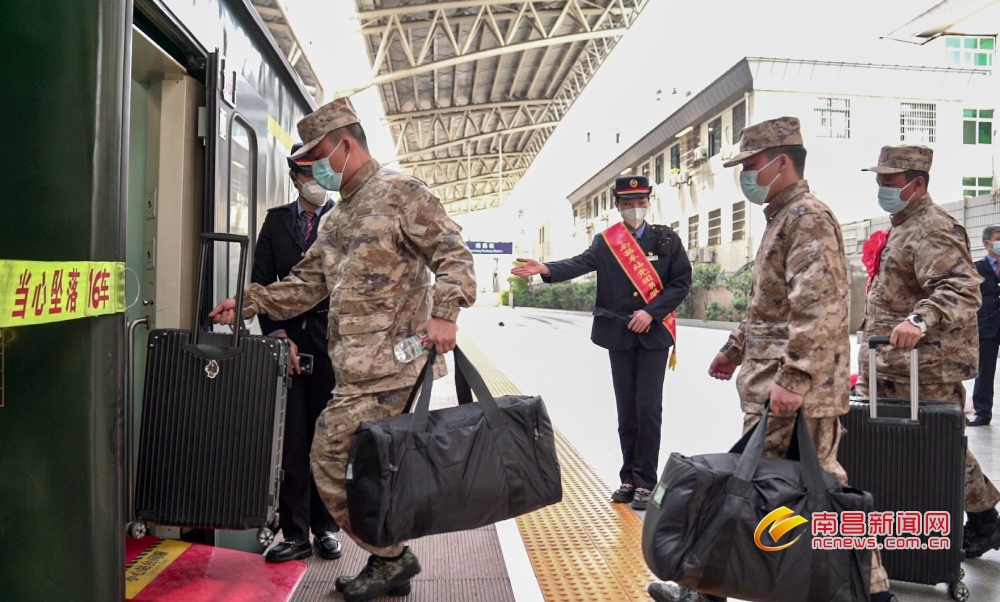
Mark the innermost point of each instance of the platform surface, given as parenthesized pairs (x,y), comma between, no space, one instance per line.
(166,570)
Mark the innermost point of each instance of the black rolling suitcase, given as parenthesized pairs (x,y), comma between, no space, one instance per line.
(212,423)
(911,457)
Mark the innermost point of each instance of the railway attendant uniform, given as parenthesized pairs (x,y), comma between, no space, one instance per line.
(639,266)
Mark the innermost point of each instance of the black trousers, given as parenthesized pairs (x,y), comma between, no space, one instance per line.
(637,375)
(299,505)
(982,393)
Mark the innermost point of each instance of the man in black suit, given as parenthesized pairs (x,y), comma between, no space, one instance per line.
(287,233)
(989,327)
(631,329)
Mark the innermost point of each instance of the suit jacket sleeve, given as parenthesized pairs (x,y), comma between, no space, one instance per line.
(265,270)
(675,290)
(574,267)
(986,287)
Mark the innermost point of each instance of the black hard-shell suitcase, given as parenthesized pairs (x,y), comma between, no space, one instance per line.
(212,423)
(458,468)
(911,456)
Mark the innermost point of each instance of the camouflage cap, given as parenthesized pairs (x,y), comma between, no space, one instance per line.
(897,159)
(783,131)
(329,117)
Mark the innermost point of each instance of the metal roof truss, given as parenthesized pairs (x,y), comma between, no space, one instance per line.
(482,78)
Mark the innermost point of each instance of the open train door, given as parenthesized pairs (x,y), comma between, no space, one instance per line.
(235,173)
(236,123)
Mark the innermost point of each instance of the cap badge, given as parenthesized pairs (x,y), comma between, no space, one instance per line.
(633,183)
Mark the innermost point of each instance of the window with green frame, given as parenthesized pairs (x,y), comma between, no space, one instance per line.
(970,51)
(977,127)
(973,187)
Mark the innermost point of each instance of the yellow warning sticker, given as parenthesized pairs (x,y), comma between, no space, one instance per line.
(279,133)
(148,565)
(38,292)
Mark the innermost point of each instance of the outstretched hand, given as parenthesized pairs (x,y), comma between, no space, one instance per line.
(530,267)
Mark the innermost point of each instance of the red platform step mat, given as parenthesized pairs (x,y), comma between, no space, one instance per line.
(203,573)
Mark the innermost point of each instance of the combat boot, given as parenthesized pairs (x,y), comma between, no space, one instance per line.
(400,590)
(669,592)
(380,576)
(982,533)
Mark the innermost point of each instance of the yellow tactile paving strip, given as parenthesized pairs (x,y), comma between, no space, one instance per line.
(584,548)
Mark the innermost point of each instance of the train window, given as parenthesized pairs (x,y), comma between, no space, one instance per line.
(241,202)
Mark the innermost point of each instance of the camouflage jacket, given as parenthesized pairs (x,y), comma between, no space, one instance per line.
(927,269)
(371,257)
(796,329)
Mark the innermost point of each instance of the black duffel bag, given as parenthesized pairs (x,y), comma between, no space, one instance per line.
(451,469)
(700,526)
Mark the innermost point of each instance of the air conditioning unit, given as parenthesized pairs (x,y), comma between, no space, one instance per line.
(693,255)
(706,255)
(700,153)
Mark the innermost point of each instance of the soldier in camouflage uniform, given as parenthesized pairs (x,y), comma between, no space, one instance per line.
(371,259)
(927,290)
(793,346)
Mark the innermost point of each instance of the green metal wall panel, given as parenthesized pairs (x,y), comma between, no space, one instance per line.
(61,107)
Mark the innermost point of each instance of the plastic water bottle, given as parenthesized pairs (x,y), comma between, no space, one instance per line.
(410,349)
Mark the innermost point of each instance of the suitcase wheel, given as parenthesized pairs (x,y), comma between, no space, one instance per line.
(958,591)
(961,574)
(136,530)
(265,536)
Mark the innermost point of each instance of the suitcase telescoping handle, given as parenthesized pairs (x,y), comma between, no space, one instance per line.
(207,239)
(873,344)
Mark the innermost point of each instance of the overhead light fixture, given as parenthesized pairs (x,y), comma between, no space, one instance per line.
(684,132)
(626,171)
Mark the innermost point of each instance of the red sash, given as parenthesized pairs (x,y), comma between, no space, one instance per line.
(642,274)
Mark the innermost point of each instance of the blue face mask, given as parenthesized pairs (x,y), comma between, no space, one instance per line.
(324,174)
(754,192)
(889,199)
(996,247)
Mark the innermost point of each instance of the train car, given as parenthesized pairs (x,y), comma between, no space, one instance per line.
(130,126)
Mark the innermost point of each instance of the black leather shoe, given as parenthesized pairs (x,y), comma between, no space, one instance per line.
(979,421)
(623,494)
(329,546)
(289,550)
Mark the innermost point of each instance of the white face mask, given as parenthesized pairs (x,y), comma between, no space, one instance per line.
(634,217)
(312,192)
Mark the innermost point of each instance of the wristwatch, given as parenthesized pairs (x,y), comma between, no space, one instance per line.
(918,321)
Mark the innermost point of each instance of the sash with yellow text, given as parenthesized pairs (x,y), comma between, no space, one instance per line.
(641,272)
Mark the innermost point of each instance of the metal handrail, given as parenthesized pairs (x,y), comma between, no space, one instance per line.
(129,414)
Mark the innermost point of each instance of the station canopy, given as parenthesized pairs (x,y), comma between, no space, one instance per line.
(272,13)
(466,82)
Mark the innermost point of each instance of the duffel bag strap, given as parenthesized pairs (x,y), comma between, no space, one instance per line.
(429,364)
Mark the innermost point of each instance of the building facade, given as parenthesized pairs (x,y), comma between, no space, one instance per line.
(848,112)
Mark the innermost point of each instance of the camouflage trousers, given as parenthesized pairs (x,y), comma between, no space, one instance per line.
(826,434)
(335,429)
(980,493)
